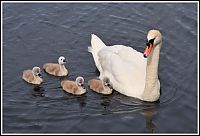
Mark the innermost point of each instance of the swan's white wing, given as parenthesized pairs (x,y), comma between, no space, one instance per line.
(129,54)
(125,67)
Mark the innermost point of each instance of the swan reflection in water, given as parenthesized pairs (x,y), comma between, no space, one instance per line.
(149,114)
(148,110)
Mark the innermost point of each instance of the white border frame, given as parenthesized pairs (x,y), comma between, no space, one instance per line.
(99,2)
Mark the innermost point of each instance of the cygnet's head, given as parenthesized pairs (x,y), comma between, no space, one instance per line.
(61,60)
(36,71)
(154,38)
(80,81)
(106,82)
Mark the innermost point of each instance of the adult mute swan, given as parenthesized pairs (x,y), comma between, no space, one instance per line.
(130,72)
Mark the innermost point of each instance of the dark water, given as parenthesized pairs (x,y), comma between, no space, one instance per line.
(34,34)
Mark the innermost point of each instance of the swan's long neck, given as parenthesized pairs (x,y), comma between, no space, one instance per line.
(152,65)
(152,73)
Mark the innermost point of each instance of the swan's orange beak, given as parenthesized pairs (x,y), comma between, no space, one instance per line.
(148,49)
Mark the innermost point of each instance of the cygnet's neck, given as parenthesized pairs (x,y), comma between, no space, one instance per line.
(62,67)
(34,76)
(77,83)
(37,78)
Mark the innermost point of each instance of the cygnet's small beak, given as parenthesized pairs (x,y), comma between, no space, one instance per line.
(64,61)
(109,85)
(82,86)
(39,75)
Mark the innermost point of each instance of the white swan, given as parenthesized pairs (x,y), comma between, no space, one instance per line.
(130,72)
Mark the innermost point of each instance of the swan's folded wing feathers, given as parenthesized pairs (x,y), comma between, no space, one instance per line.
(111,63)
(129,54)
(120,64)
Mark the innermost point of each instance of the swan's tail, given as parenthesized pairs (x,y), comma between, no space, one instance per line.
(96,45)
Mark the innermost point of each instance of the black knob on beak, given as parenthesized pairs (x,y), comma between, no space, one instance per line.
(64,60)
(39,75)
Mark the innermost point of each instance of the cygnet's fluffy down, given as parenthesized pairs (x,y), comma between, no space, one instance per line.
(56,69)
(74,87)
(100,86)
(32,76)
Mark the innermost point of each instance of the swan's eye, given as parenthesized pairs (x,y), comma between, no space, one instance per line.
(152,41)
